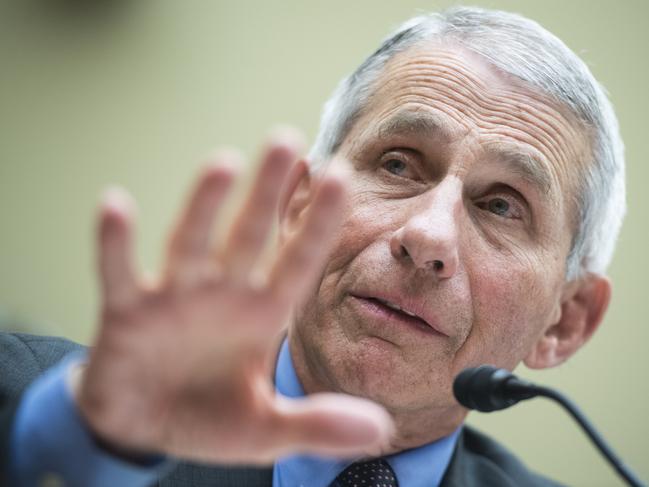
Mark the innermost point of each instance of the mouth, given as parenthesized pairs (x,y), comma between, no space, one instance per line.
(381,309)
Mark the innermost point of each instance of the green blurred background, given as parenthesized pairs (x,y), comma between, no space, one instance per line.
(137,92)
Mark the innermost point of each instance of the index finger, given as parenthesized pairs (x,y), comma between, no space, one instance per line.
(115,249)
(300,260)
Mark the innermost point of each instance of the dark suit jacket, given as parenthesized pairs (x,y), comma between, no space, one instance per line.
(477,461)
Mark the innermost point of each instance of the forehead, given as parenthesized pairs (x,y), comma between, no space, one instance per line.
(451,95)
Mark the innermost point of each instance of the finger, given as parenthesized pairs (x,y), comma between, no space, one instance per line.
(333,425)
(115,248)
(190,244)
(252,225)
(300,260)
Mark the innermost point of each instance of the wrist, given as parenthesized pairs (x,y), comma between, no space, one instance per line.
(136,456)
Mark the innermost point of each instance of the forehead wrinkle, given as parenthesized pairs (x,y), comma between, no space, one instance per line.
(538,129)
(424,122)
(412,121)
(444,78)
(479,106)
(552,111)
(554,126)
(509,109)
(479,97)
(433,68)
(411,116)
(492,86)
(443,70)
(540,139)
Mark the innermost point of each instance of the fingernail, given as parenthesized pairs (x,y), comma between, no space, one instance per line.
(226,156)
(118,199)
(288,136)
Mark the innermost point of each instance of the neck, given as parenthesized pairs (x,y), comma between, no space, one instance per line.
(417,428)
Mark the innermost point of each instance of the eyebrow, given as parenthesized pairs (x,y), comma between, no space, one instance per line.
(530,167)
(406,122)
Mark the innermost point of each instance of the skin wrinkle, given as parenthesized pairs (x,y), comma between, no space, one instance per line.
(525,139)
(504,112)
(451,74)
(509,278)
(531,166)
(547,141)
(407,122)
(537,157)
(553,195)
(528,166)
(509,78)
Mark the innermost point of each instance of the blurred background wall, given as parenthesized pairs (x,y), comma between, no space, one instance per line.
(137,92)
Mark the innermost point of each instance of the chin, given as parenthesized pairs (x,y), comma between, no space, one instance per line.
(376,370)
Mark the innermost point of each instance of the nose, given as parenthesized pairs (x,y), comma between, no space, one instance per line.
(429,237)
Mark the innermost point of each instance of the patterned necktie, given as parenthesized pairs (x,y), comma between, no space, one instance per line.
(374,473)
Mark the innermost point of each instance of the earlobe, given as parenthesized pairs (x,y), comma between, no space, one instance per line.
(295,198)
(582,308)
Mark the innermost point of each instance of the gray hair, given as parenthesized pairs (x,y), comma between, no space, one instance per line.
(524,49)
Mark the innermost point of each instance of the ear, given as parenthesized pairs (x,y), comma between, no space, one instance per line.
(294,199)
(583,304)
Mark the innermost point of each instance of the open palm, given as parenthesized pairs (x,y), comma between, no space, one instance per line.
(184,366)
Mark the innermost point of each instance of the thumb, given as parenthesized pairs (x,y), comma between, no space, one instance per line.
(334,425)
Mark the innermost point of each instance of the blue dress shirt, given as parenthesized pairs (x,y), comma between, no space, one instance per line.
(50,440)
(51,444)
(419,467)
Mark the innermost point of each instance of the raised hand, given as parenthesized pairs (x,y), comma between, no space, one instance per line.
(184,366)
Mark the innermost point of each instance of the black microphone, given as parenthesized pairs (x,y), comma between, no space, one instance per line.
(488,388)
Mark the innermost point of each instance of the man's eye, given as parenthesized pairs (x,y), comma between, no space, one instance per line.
(395,166)
(500,207)
(402,163)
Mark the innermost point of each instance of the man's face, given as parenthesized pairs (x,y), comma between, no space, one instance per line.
(460,213)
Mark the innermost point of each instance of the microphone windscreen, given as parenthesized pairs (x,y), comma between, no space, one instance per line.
(482,388)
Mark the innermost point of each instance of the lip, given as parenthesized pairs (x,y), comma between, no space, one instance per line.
(375,304)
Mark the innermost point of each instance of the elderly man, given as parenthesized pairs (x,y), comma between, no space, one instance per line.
(473,193)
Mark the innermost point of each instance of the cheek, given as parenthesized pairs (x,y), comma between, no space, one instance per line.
(366,221)
(513,296)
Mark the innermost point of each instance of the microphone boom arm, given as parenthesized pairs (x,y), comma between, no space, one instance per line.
(616,462)
(487,388)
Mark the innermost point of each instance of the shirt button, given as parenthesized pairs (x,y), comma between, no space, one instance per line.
(51,479)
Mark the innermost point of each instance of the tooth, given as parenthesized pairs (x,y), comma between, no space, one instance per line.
(389,304)
(398,308)
(394,306)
